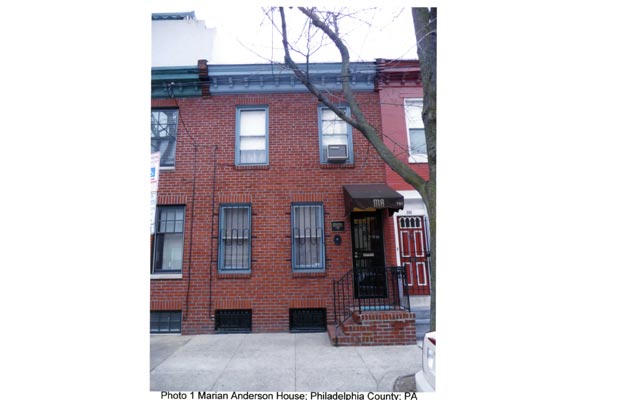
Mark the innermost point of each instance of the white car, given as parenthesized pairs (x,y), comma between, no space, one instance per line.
(426,377)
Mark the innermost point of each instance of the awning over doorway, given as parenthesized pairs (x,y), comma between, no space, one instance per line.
(370,197)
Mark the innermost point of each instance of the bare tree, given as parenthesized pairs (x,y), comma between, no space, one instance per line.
(425,29)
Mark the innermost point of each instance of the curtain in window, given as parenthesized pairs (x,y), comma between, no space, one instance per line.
(252,137)
(235,238)
(169,239)
(307,234)
(416,131)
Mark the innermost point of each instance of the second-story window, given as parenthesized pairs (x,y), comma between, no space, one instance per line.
(416,130)
(336,134)
(251,146)
(164,134)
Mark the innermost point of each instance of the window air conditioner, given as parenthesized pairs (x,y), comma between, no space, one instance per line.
(337,152)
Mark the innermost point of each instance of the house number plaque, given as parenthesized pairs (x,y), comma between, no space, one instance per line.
(338,226)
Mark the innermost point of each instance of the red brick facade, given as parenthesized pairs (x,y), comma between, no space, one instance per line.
(205,176)
(398,81)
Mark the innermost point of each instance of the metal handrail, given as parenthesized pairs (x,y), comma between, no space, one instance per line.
(370,289)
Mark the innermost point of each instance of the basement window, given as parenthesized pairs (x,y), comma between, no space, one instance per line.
(233,321)
(307,319)
(166,321)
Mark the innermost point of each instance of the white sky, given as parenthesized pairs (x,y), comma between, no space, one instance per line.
(245,35)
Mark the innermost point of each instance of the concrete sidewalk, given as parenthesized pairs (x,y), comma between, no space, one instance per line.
(275,362)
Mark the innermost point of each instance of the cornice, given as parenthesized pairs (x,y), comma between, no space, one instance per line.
(167,82)
(276,78)
(205,80)
(399,72)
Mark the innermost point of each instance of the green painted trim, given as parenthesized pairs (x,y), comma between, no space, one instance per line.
(168,82)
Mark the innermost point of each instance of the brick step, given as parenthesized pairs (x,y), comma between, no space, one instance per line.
(339,337)
(374,328)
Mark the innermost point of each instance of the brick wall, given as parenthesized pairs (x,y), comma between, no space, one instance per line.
(205,176)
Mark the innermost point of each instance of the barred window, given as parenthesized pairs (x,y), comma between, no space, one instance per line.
(233,321)
(307,237)
(164,135)
(169,239)
(234,237)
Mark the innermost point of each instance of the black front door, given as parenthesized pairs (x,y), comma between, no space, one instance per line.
(368,255)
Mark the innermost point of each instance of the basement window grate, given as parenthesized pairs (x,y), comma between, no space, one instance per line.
(307,319)
(233,321)
(166,321)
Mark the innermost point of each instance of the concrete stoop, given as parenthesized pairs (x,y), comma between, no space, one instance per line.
(422,321)
(375,328)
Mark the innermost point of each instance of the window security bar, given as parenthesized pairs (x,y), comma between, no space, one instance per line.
(235,238)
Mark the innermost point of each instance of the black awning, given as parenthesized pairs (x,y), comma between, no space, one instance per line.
(372,196)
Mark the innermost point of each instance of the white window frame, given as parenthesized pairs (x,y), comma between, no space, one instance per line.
(238,134)
(323,159)
(414,158)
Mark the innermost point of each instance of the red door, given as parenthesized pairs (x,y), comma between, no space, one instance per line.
(412,252)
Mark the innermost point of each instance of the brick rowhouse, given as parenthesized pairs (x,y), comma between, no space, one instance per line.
(205,176)
(399,86)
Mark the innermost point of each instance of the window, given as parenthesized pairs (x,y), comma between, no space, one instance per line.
(416,131)
(234,238)
(307,319)
(169,239)
(333,131)
(251,146)
(164,135)
(166,321)
(307,237)
(233,321)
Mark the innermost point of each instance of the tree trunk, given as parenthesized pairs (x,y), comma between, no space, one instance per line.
(425,31)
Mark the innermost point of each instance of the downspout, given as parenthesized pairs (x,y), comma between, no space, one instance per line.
(204,84)
(212,235)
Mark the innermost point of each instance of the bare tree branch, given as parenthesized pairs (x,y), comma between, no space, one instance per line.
(359,121)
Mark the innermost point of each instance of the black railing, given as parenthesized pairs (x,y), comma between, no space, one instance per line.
(370,289)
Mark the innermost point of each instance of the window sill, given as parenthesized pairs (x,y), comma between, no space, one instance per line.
(315,274)
(166,276)
(336,165)
(167,168)
(242,167)
(418,159)
(234,275)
